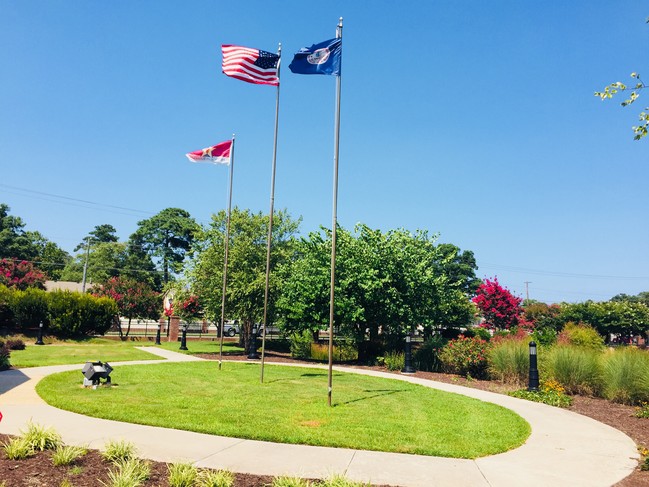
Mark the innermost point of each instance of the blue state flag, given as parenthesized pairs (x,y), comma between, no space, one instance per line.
(323,58)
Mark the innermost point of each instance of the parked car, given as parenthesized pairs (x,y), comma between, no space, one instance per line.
(230,329)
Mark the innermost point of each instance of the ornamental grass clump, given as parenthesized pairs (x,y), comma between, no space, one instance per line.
(509,360)
(182,474)
(466,356)
(626,375)
(394,360)
(119,451)
(41,438)
(577,369)
(128,473)
(18,449)
(67,455)
(215,478)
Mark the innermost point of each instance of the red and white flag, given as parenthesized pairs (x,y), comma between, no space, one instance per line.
(250,65)
(217,154)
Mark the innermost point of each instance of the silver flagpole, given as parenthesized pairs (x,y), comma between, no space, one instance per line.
(339,35)
(270,223)
(225,259)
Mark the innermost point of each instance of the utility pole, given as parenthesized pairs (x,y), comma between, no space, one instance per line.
(527,290)
(85,266)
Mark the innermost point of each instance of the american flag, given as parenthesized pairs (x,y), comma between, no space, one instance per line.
(251,65)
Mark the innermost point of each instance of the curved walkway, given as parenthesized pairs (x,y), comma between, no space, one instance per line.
(564,449)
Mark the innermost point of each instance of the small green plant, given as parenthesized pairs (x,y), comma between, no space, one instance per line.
(285,481)
(644,460)
(128,473)
(341,481)
(64,483)
(290,482)
(75,470)
(215,478)
(18,449)
(182,474)
(551,393)
(66,455)
(41,438)
(642,411)
(119,451)
(394,360)
(301,344)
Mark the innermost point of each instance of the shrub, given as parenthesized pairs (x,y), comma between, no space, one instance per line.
(4,356)
(394,360)
(426,357)
(509,360)
(77,314)
(626,376)
(29,308)
(544,336)
(580,335)
(466,356)
(182,474)
(15,344)
(6,313)
(577,369)
(301,344)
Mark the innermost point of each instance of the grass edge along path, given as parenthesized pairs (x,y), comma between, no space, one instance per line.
(369,413)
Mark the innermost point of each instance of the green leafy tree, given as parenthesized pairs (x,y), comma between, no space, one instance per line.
(16,243)
(104,233)
(135,300)
(167,237)
(613,89)
(246,265)
(611,317)
(386,284)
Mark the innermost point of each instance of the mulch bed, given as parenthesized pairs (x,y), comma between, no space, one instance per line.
(90,469)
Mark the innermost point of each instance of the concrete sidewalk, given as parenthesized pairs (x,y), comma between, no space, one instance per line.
(564,449)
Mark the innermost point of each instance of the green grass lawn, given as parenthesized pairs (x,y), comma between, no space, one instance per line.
(202,346)
(290,407)
(78,352)
(61,352)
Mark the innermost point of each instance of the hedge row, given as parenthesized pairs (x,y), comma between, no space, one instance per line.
(63,313)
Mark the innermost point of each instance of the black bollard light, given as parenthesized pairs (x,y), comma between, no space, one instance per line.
(533,382)
(157,335)
(252,346)
(183,340)
(40,334)
(407,363)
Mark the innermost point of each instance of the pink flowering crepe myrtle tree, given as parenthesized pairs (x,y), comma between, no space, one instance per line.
(499,307)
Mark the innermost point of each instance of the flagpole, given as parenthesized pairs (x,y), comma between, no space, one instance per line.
(334,224)
(270,222)
(225,259)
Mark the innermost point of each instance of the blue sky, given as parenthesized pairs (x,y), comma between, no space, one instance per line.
(475,120)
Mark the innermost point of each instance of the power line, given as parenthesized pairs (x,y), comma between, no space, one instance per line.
(74,201)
